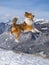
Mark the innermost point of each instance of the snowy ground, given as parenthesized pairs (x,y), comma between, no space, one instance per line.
(11,58)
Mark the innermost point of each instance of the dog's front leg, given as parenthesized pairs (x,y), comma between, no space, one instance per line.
(35,30)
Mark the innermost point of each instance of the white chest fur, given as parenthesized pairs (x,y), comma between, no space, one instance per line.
(28,21)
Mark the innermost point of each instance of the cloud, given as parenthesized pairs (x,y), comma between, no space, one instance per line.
(41,14)
(8,13)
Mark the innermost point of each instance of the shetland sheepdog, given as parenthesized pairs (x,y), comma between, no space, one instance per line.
(27,25)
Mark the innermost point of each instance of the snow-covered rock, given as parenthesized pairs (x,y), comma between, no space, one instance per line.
(42,25)
(28,43)
(4,27)
(41,21)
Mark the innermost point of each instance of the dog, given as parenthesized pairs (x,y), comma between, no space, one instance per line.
(27,25)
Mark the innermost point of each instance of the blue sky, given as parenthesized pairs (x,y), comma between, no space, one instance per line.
(12,8)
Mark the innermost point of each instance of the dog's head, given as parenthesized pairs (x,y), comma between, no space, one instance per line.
(29,15)
(14,20)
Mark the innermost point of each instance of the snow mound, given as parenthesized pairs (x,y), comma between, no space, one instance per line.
(11,58)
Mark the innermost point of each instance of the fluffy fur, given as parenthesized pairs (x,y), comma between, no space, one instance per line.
(25,26)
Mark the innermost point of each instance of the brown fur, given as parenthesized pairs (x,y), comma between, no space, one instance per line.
(29,15)
(18,28)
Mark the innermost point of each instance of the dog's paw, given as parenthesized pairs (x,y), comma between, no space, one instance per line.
(37,30)
(33,31)
(16,40)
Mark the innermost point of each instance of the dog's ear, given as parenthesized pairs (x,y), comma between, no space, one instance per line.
(26,12)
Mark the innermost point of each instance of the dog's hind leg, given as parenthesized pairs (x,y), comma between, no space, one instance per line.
(17,37)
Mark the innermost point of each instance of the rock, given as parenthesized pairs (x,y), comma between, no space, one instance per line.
(29,43)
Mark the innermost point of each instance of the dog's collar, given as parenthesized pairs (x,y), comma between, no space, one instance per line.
(28,21)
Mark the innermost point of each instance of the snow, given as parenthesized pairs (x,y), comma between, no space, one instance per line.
(11,58)
(44,28)
(6,39)
(45,22)
(41,21)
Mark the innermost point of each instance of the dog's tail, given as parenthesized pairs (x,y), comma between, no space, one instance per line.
(14,20)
